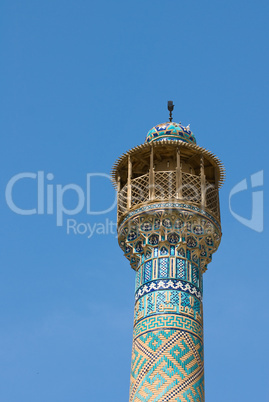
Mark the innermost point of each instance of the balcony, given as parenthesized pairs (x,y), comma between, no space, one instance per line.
(166,186)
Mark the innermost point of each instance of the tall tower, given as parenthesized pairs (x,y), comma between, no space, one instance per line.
(168,228)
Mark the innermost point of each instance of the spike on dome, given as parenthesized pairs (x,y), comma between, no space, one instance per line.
(171,131)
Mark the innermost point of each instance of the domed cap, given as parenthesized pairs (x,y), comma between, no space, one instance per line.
(171,131)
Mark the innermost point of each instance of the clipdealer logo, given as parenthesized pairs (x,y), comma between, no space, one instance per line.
(50,200)
(257,210)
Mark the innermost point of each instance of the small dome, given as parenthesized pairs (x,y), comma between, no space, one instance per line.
(171,131)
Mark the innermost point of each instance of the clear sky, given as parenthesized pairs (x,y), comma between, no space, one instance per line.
(81,83)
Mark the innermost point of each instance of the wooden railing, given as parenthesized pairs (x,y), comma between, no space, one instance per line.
(163,187)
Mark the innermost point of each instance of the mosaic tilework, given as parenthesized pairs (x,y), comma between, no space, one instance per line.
(169,245)
(181,271)
(179,229)
(167,359)
(163,267)
(183,207)
(170,321)
(168,284)
(171,131)
(194,393)
(166,364)
(168,267)
(147,271)
(168,301)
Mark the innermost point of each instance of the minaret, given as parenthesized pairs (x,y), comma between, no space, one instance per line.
(168,228)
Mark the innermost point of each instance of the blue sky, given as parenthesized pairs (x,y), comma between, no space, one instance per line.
(82,82)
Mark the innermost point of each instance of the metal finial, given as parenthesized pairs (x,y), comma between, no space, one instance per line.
(170,107)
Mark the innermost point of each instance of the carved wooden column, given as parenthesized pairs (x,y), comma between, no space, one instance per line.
(151,176)
(118,192)
(178,176)
(203,182)
(129,184)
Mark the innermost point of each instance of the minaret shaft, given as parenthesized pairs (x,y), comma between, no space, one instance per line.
(168,328)
(171,244)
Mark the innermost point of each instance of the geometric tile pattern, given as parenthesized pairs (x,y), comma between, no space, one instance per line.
(168,267)
(167,356)
(172,301)
(169,250)
(163,267)
(177,205)
(181,268)
(167,366)
(195,274)
(184,228)
(147,271)
(169,321)
(168,284)
(168,131)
